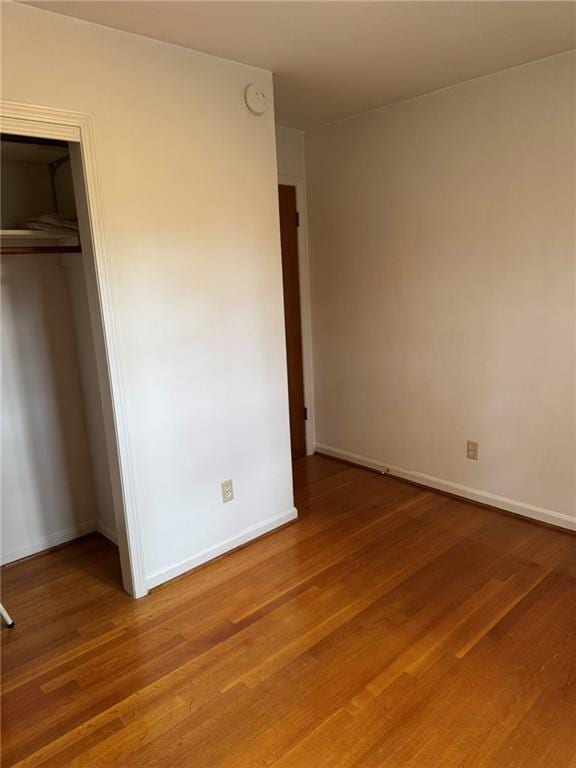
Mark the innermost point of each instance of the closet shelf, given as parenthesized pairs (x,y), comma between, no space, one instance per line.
(36,241)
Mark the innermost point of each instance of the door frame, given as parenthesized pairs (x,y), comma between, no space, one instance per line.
(51,123)
(305,306)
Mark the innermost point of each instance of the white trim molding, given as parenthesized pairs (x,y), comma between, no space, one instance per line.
(520,508)
(248,534)
(305,305)
(78,127)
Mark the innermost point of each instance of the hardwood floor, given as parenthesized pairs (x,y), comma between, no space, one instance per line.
(390,627)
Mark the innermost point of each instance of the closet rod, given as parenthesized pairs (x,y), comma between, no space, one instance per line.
(11,250)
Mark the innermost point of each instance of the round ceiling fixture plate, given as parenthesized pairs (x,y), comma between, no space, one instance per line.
(255,99)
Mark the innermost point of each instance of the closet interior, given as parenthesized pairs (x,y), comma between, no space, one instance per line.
(56,482)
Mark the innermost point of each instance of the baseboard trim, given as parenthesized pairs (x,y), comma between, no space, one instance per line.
(47,542)
(548,516)
(107,532)
(162,575)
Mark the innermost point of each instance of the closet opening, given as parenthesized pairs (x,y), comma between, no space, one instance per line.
(59,476)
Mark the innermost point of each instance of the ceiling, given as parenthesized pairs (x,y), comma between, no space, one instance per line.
(335,59)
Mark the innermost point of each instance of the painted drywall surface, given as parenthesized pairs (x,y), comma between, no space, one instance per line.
(188,180)
(291,159)
(105,521)
(30,192)
(442,248)
(65,190)
(290,152)
(83,332)
(47,483)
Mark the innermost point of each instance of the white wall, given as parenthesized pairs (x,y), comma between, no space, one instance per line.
(65,190)
(291,161)
(442,247)
(47,483)
(30,192)
(93,409)
(188,179)
(87,365)
(290,152)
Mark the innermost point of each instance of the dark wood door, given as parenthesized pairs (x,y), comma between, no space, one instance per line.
(291,280)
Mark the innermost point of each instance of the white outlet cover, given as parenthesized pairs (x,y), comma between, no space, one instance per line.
(255,99)
(227,488)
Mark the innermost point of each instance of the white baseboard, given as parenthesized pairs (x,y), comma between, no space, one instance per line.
(170,572)
(471,494)
(107,532)
(46,542)
(355,458)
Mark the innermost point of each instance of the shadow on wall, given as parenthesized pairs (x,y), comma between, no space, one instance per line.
(47,482)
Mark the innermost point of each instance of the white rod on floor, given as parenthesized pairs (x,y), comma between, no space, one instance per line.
(6,618)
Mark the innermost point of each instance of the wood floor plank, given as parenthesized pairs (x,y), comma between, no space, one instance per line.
(389,627)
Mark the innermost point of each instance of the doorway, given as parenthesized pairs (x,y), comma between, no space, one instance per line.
(72,134)
(289,223)
(56,484)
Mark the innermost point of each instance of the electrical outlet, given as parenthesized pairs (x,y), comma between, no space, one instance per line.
(227,491)
(472,450)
